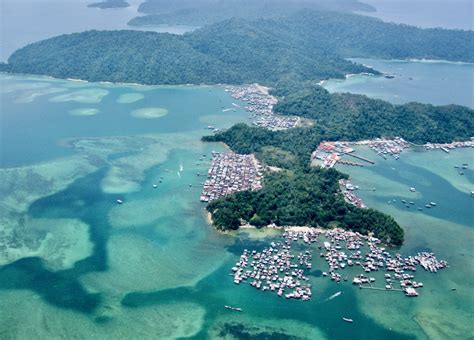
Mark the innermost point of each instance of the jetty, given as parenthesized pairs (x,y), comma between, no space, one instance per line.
(350,163)
(360,157)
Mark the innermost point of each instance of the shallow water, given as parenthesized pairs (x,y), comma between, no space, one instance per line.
(74,263)
(438,83)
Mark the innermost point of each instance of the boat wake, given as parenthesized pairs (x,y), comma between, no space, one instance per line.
(333,296)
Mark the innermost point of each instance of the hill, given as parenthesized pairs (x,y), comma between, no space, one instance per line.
(205,12)
(310,45)
(110,4)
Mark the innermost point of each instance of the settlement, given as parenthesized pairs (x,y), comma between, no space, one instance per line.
(285,271)
(229,173)
(260,103)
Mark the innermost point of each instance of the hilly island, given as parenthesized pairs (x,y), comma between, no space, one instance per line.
(285,169)
(290,54)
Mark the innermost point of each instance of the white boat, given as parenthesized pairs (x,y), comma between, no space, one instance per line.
(119,201)
(348,320)
(155,186)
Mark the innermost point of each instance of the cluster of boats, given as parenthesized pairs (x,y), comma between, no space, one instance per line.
(461,168)
(408,204)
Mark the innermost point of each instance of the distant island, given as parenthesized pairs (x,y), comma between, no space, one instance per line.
(205,12)
(291,55)
(110,4)
(307,46)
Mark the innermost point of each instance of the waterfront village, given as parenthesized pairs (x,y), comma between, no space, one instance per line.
(229,173)
(328,154)
(285,267)
(260,103)
(285,271)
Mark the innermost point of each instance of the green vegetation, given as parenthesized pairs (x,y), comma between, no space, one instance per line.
(300,195)
(307,46)
(302,198)
(110,4)
(166,6)
(205,12)
(355,117)
(290,54)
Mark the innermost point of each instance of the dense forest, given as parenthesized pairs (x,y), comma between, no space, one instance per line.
(307,197)
(110,4)
(356,117)
(307,46)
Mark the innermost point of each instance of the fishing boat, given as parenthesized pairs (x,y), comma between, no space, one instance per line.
(348,320)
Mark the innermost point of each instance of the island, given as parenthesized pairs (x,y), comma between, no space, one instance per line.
(110,4)
(205,12)
(276,65)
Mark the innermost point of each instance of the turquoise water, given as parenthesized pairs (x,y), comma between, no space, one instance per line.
(438,83)
(74,264)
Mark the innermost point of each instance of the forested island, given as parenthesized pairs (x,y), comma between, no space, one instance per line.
(291,54)
(307,46)
(304,197)
(110,4)
(205,12)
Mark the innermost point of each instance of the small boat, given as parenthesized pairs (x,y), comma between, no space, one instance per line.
(433,204)
(428,206)
(412,189)
(233,308)
(119,201)
(155,186)
(348,320)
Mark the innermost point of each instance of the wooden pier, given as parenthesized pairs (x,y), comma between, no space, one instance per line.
(360,157)
(383,289)
(350,163)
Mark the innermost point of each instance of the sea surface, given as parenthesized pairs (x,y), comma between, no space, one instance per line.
(26,21)
(425,81)
(453,14)
(75,264)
